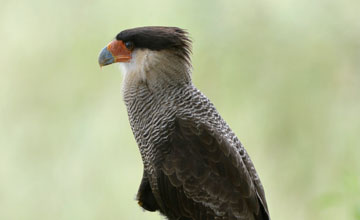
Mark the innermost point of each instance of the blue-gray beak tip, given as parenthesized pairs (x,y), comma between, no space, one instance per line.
(105,57)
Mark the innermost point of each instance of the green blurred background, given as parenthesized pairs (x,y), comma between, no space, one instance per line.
(285,75)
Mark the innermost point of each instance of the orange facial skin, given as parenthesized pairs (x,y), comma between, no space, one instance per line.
(119,51)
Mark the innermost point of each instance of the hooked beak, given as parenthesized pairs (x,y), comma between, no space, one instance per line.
(114,52)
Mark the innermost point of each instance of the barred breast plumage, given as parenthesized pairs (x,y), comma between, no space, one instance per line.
(154,119)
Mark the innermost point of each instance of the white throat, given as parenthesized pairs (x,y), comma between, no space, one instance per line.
(137,67)
(155,69)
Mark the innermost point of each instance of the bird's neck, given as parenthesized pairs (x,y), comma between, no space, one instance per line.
(158,70)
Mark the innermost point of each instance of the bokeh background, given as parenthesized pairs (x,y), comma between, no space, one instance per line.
(285,74)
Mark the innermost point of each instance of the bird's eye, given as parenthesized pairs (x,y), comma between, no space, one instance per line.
(129,45)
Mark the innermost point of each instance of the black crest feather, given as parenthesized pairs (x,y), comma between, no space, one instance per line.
(158,38)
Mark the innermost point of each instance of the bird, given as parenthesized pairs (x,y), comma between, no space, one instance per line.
(195,167)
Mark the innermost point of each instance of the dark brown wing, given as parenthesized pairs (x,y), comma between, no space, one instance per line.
(206,177)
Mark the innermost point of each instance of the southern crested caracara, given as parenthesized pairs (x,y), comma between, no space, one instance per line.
(195,168)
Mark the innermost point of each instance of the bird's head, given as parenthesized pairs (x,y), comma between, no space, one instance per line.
(149,53)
